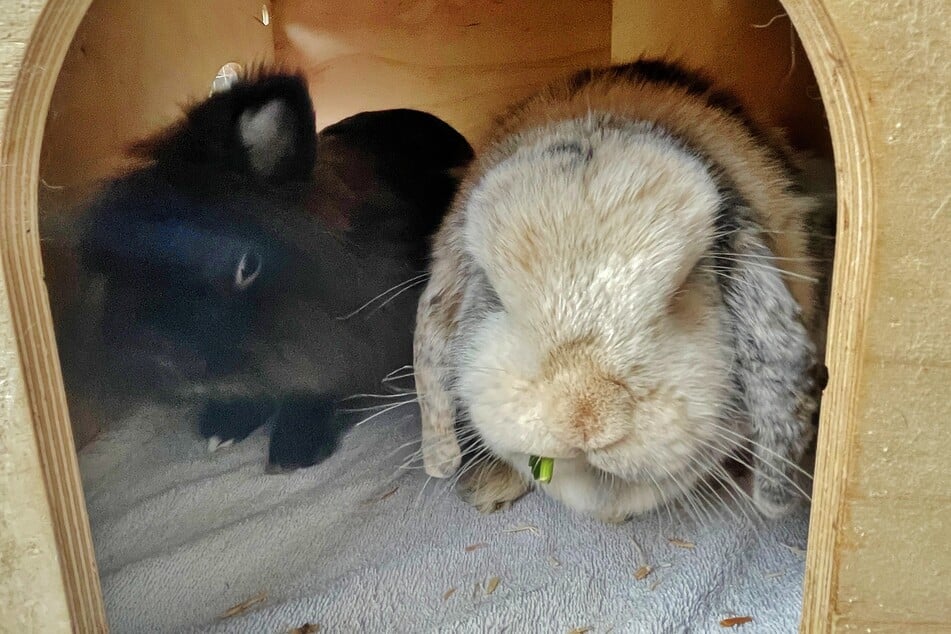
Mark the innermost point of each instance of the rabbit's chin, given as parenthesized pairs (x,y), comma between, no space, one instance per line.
(583,486)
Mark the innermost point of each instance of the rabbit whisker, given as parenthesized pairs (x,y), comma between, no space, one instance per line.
(398,287)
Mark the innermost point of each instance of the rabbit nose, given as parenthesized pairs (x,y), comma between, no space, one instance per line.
(587,423)
(596,416)
(588,406)
(595,430)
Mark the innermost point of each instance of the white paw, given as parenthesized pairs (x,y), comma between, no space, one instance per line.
(215,443)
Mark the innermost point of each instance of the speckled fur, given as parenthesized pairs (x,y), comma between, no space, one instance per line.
(603,293)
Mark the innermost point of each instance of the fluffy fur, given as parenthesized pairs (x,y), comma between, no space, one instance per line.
(624,284)
(228,268)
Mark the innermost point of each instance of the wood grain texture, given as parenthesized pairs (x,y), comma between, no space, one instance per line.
(462,60)
(878,556)
(42,40)
(34,351)
(893,557)
(32,594)
(724,37)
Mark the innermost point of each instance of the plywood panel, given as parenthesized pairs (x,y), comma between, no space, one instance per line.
(749,46)
(48,576)
(904,387)
(883,69)
(878,558)
(463,60)
(893,570)
(33,598)
(129,70)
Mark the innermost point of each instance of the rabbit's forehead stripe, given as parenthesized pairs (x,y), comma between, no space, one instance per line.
(586,195)
(716,135)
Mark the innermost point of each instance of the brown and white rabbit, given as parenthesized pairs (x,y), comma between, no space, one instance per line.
(626,284)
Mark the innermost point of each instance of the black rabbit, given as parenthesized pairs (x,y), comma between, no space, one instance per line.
(227,270)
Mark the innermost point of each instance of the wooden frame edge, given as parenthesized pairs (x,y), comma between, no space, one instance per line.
(46,43)
(851,290)
(56,22)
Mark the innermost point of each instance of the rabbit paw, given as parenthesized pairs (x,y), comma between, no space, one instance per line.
(306,432)
(225,422)
(492,486)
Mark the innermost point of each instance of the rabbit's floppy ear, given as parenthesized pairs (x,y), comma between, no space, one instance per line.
(436,324)
(775,358)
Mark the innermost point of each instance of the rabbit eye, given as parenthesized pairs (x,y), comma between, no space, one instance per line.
(248,269)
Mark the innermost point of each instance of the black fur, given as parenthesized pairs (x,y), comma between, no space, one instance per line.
(204,147)
(211,280)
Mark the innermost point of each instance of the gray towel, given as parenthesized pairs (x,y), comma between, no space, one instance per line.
(359,544)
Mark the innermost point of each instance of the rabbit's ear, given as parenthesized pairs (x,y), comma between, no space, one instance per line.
(436,324)
(775,358)
(262,127)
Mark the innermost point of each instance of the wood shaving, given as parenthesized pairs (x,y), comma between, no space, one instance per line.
(654,585)
(580,630)
(491,585)
(736,621)
(795,550)
(244,606)
(472,547)
(382,497)
(525,528)
(680,543)
(389,493)
(643,568)
(306,628)
(448,593)
(554,562)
